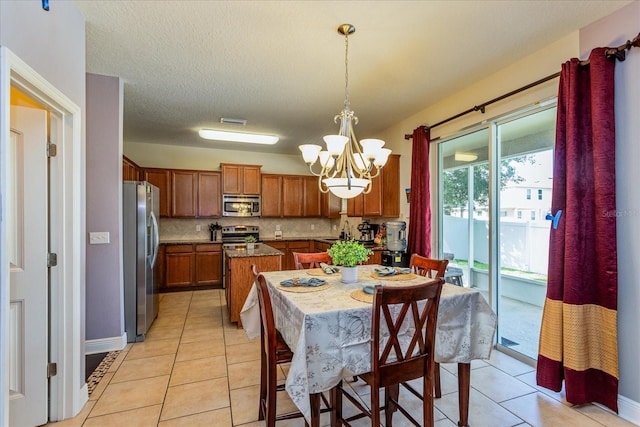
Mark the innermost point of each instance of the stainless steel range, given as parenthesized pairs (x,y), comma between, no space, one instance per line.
(233,238)
(233,235)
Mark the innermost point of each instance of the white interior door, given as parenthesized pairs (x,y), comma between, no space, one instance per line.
(27,241)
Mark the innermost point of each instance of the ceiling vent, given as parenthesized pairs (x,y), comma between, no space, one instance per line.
(238,122)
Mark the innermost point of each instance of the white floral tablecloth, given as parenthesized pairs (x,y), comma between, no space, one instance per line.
(330,332)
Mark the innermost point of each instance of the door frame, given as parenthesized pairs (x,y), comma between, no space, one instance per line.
(67,390)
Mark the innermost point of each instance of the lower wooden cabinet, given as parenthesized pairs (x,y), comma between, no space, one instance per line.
(188,265)
(288,247)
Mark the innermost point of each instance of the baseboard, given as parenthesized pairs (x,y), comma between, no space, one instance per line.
(105,345)
(629,409)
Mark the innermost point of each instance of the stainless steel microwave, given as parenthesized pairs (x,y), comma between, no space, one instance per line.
(240,205)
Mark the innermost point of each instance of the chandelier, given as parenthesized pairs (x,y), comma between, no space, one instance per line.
(346,166)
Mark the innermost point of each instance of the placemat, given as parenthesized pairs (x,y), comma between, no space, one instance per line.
(319,272)
(303,289)
(395,276)
(360,295)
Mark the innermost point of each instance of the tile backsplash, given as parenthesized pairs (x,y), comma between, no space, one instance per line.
(187,229)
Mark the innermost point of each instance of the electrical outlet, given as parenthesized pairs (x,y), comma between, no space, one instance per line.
(313,226)
(277,227)
(335,227)
(99,238)
(198,227)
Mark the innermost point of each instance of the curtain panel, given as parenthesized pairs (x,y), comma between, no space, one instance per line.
(578,337)
(419,235)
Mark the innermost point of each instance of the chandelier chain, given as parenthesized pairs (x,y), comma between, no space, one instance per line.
(346,69)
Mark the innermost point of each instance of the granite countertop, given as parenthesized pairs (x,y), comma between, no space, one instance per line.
(329,240)
(260,250)
(187,241)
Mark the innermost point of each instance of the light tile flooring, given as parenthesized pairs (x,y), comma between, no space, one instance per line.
(195,368)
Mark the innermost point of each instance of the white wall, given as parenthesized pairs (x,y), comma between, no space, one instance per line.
(611,31)
(174,157)
(615,30)
(53,44)
(105,317)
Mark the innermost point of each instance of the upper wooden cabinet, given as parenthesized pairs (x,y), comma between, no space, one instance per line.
(130,171)
(391,187)
(161,178)
(209,195)
(291,196)
(196,194)
(271,195)
(187,193)
(384,198)
(312,197)
(331,205)
(240,179)
(184,190)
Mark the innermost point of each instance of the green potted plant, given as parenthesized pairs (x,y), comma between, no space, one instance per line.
(250,241)
(348,254)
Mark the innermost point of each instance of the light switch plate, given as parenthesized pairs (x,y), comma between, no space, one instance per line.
(98,238)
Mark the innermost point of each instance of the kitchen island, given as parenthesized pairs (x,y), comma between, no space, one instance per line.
(238,276)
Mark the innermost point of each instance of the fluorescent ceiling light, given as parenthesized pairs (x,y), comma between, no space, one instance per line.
(252,138)
(465,157)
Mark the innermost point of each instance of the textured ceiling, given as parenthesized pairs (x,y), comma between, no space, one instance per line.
(280,64)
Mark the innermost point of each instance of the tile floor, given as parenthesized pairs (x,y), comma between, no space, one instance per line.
(195,368)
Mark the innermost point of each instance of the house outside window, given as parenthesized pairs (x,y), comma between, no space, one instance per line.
(540,194)
(528,194)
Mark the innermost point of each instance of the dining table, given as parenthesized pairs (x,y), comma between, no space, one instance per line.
(328,328)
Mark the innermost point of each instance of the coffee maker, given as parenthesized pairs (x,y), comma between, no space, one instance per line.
(367,231)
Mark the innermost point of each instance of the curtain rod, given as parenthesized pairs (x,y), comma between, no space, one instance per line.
(618,53)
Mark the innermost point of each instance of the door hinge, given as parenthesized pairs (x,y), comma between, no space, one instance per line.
(52,369)
(52,259)
(51,150)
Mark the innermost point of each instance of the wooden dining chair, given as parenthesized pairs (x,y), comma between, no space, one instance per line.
(435,269)
(393,363)
(274,351)
(303,260)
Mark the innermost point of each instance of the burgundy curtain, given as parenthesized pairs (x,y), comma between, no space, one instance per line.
(578,337)
(419,235)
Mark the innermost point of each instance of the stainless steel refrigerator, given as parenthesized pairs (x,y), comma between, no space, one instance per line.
(140,240)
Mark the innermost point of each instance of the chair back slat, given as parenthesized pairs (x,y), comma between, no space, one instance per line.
(428,267)
(268,325)
(303,260)
(399,311)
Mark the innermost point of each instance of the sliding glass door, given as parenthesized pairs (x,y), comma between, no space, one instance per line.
(495,191)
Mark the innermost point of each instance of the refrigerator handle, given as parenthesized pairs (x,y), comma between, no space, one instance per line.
(156,238)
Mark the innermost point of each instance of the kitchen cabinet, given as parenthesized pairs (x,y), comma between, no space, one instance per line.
(271,195)
(180,265)
(320,246)
(188,265)
(376,258)
(130,171)
(312,200)
(161,178)
(209,195)
(384,198)
(292,195)
(184,192)
(240,179)
(239,279)
(208,259)
(295,196)
(391,187)
(288,248)
(331,205)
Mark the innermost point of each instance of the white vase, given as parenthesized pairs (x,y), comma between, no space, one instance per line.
(349,274)
(251,246)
